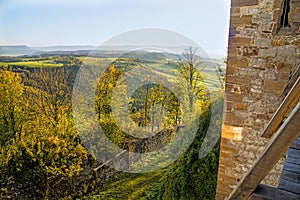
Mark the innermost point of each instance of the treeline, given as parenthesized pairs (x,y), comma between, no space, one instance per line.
(190,177)
(43,157)
(41,152)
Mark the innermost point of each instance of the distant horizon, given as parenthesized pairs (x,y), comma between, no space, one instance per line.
(94,47)
(92,22)
(53,48)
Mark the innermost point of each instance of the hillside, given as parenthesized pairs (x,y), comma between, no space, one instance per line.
(15,50)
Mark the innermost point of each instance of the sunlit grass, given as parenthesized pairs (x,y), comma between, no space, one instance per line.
(44,63)
(134,186)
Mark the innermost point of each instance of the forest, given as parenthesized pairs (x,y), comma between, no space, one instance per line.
(43,156)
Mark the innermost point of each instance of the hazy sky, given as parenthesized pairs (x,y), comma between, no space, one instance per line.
(92,22)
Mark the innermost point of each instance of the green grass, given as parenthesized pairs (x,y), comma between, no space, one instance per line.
(131,187)
(87,59)
(44,63)
(163,67)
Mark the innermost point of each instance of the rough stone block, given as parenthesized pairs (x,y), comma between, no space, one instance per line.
(284,67)
(262,42)
(236,89)
(258,82)
(255,89)
(248,51)
(235,11)
(240,21)
(266,27)
(229,149)
(277,15)
(270,75)
(249,72)
(231,70)
(237,3)
(284,76)
(274,86)
(233,119)
(248,31)
(241,80)
(266,16)
(278,4)
(249,10)
(257,63)
(233,41)
(295,15)
(232,51)
(228,106)
(237,62)
(262,116)
(241,106)
(232,97)
(296,42)
(267,52)
(278,41)
(233,133)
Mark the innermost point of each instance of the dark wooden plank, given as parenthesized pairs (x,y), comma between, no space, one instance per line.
(294,160)
(265,192)
(296,145)
(289,186)
(290,176)
(255,196)
(291,167)
(293,153)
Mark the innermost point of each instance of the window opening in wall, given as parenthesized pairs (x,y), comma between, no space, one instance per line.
(284,21)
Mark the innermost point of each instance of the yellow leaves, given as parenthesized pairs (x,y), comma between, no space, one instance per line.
(10,83)
(53,140)
(11,103)
(47,136)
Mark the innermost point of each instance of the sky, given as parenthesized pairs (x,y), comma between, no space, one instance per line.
(92,22)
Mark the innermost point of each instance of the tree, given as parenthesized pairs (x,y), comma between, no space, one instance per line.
(50,138)
(47,149)
(11,101)
(190,68)
(190,177)
(105,87)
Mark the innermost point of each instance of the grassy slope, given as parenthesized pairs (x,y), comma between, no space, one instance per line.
(131,187)
(25,63)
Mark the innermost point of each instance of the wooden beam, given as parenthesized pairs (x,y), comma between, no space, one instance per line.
(275,149)
(265,192)
(292,79)
(290,101)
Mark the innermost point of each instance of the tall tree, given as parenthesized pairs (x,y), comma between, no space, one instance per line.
(11,100)
(190,67)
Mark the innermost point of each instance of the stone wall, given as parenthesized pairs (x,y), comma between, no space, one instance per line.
(261,56)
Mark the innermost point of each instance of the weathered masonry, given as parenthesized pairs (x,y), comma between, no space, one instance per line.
(262,91)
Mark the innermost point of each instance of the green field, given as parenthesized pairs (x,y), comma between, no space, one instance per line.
(163,66)
(25,63)
(131,187)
